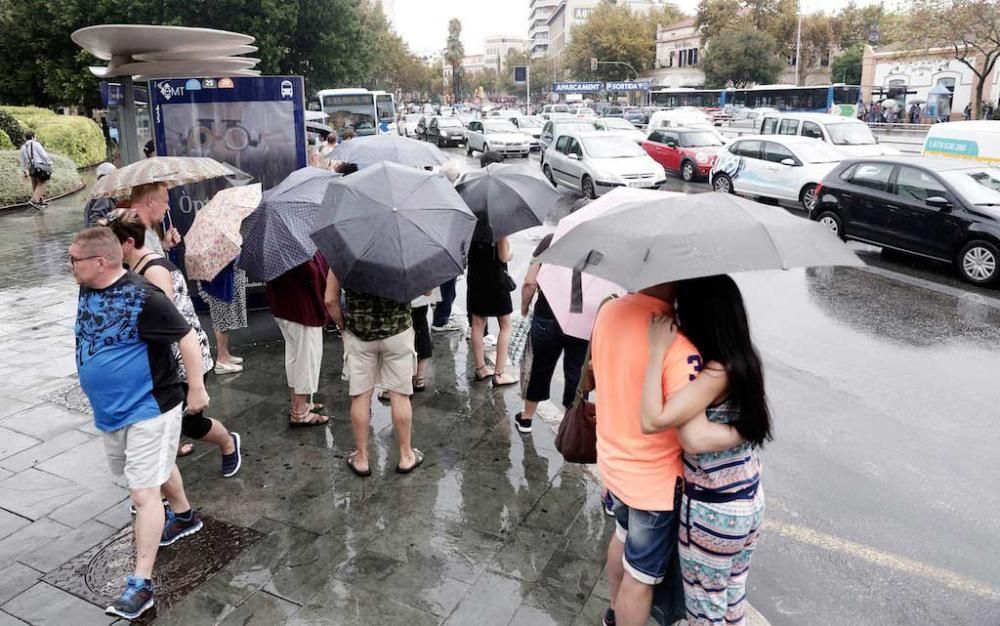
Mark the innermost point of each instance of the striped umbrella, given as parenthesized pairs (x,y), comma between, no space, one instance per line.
(173,171)
(366,151)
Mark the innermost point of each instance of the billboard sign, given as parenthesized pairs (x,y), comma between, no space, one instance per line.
(577,87)
(627,85)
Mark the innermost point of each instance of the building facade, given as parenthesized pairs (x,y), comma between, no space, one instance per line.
(498,47)
(566,15)
(539,12)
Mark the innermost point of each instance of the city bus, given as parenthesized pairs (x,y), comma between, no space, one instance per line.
(839,99)
(366,112)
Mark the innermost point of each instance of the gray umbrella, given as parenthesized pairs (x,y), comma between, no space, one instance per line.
(276,235)
(664,239)
(367,151)
(507,198)
(394,231)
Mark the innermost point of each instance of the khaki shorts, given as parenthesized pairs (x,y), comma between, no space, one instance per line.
(386,363)
(145,452)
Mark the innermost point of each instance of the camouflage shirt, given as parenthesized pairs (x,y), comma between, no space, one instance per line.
(370,318)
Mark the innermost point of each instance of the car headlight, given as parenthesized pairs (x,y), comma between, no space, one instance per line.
(703,158)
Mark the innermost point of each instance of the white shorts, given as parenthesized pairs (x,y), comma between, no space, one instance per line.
(145,452)
(303,355)
(387,363)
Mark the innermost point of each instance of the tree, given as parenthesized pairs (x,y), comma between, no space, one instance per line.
(741,57)
(453,55)
(846,68)
(970,29)
(615,33)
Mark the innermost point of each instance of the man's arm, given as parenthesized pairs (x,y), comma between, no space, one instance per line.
(197,395)
(331,297)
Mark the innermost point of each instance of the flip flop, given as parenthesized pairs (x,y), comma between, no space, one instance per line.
(354,469)
(419,459)
(185,449)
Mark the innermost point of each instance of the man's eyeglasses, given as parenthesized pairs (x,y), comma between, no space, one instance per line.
(73,260)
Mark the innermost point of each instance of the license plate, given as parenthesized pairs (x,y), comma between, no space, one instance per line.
(641,183)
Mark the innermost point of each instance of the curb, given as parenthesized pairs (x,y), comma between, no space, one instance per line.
(21,205)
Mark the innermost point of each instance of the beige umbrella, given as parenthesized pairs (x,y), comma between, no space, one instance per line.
(173,171)
(214,239)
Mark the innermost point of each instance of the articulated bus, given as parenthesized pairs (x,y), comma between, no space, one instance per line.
(366,112)
(839,99)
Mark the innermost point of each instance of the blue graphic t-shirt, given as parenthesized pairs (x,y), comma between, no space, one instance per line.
(123,357)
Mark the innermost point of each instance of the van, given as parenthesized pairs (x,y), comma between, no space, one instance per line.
(975,140)
(851,136)
(688,118)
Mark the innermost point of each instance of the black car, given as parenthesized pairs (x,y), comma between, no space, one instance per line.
(446,131)
(636,116)
(943,209)
(613,112)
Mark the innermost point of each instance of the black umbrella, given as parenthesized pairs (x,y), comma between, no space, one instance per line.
(507,198)
(276,235)
(394,231)
(367,151)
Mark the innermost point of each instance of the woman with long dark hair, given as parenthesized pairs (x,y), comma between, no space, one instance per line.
(723,504)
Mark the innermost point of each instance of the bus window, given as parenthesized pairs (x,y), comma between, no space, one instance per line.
(386,110)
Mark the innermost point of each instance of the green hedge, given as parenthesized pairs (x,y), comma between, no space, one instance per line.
(15,190)
(77,137)
(5,142)
(11,127)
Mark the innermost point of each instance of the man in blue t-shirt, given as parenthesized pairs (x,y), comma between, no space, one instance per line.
(124,329)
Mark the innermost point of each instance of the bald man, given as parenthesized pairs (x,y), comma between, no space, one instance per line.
(124,329)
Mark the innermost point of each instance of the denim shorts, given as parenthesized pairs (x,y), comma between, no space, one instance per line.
(650,539)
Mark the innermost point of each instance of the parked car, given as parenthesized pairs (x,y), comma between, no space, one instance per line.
(978,140)
(690,152)
(554,128)
(531,126)
(943,209)
(620,126)
(777,167)
(549,109)
(691,118)
(852,136)
(407,126)
(748,119)
(636,116)
(446,131)
(420,130)
(613,111)
(595,162)
(497,135)
(582,111)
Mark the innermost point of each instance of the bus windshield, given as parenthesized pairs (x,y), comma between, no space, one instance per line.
(351,111)
(386,110)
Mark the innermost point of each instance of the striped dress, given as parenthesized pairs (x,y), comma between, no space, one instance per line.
(721,514)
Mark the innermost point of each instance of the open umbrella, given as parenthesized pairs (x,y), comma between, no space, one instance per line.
(367,151)
(394,231)
(509,198)
(557,282)
(664,239)
(276,235)
(214,239)
(173,171)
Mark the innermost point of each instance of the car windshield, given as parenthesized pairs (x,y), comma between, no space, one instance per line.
(584,111)
(618,123)
(850,134)
(581,125)
(560,108)
(978,186)
(700,140)
(612,147)
(816,151)
(500,127)
(449,122)
(529,122)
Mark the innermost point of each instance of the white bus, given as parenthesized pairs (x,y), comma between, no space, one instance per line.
(366,112)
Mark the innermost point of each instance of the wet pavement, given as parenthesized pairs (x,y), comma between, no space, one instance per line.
(882,383)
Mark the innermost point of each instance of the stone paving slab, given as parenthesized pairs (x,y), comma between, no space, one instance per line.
(34,493)
(43,604)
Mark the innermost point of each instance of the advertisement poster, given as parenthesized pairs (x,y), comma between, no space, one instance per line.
(255,124)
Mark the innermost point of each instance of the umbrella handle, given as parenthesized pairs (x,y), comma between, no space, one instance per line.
(576,287)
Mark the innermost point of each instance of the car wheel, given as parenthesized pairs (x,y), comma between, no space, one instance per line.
(722,183)
(979,262)
(548,174)
(587,184)
(688,171)
(832,221)
(809,198)
(468,149)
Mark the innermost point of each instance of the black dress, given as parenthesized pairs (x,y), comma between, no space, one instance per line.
(487,295)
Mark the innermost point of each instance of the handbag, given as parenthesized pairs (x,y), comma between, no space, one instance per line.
(505,278)
(42,171)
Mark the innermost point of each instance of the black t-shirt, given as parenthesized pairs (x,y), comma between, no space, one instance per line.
(542,308)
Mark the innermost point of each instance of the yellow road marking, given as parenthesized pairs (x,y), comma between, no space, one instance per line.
(882,559)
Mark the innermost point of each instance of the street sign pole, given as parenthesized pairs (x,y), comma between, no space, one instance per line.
(527,90)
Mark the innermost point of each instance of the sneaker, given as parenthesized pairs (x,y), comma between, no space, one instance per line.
(166,506)
(176,528)
(489,340)
(523,425)
(609,617)
(608,504)
(449,327)
(236,359)
(35,205)
(134,601)
(231,462)
(228,368)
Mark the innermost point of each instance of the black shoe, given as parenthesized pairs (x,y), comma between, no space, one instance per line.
(609,617)
(134,601)
(523,425)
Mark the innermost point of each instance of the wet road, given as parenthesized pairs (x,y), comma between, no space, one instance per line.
(883,384)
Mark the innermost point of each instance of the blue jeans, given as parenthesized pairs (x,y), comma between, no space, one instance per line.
(442,310)
(650,539)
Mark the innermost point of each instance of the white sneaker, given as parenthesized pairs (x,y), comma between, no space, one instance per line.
(228,368)
(489,340)
(448,327)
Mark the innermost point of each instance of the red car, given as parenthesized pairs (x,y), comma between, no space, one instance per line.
(691,152)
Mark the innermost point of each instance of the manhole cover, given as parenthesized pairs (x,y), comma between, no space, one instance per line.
(71,397)
(98,574)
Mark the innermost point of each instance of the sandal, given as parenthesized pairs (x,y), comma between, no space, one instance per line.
(357,472)
(488,374)
(419,458)
(418,384)
(308,418)
(186,449)
(503,380)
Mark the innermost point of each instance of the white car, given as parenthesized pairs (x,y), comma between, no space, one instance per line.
(787,168)
(691,118)
(550,111)
(529,125)
(851,136)
(555,127)
(497,135)
(596,162)
(581,111)
(407,126)
(620,126)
